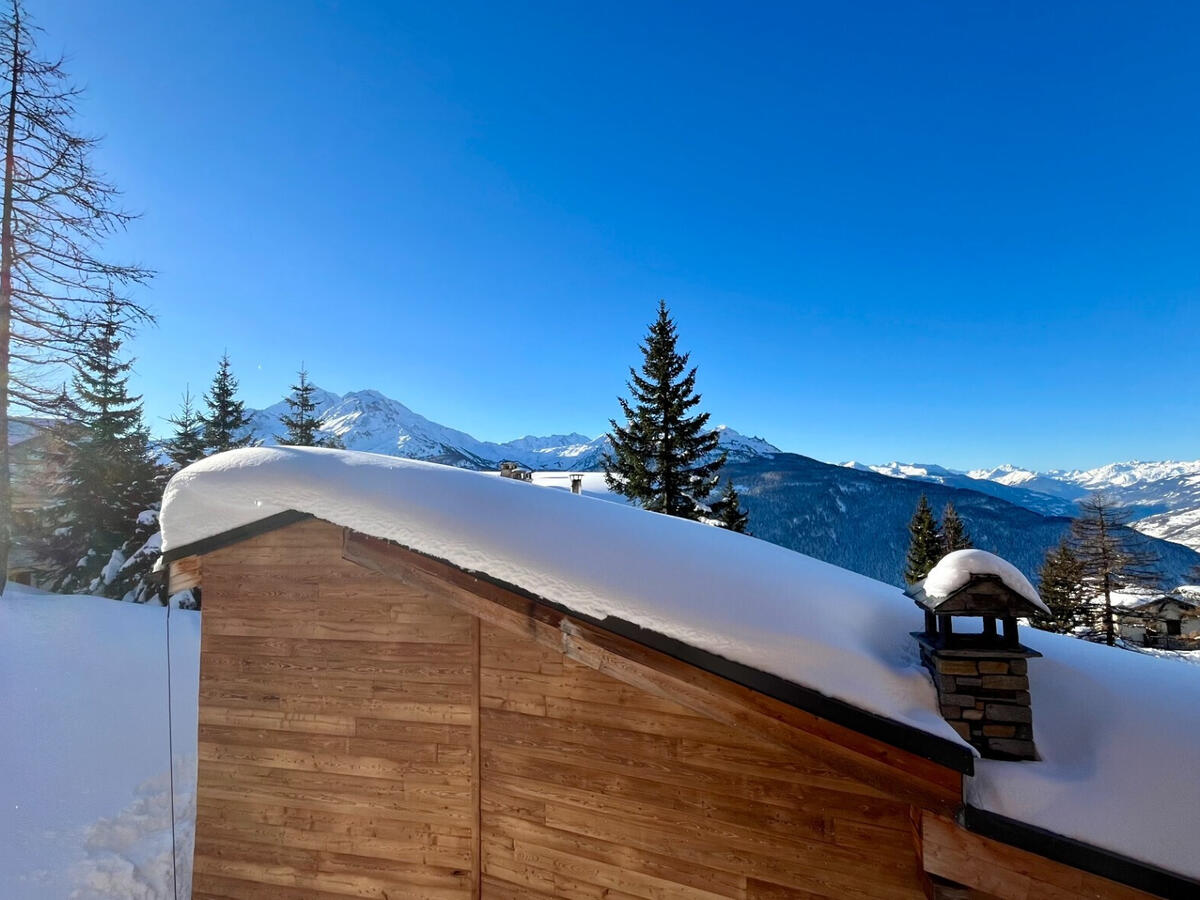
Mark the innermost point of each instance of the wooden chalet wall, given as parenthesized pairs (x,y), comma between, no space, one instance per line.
(337,729)
(419,734)
(593,788)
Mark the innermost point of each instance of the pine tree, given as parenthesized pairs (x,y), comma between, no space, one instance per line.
(954,532)
(303,427)
(226,421)
(55,214)
(111,475)
(186,445)
(1113,556)
(663,458)
(925,546)
(1062,588)
(134,582)
(728,512)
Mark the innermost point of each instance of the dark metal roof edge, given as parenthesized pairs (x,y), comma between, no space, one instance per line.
(236,535)
(906,737)
(1079,855)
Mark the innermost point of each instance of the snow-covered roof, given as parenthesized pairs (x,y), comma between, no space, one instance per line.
(956,569)
(1099,713)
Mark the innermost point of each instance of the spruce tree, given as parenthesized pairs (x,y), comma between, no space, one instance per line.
(954,532)
(1061,586)
(303,426)
(1113,557)
(225,424)
(56,213)
(663,458)
(925,546)
(728,512)
(186,444)
(110,476)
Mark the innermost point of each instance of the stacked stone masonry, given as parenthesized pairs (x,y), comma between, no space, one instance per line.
(986,701)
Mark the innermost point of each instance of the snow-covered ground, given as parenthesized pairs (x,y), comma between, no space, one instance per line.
(85,751)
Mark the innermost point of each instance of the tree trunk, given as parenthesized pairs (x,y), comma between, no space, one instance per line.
(6,294)
(1109,631)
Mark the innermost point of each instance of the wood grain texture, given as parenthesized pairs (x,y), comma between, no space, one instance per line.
(923,782)
(1005,872)
(338,737)
(593,788)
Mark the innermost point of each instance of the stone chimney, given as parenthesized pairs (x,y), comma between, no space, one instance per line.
(576,483)
(981,674)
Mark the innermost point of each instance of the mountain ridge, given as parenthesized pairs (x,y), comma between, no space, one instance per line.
(1163,497)
(370,421)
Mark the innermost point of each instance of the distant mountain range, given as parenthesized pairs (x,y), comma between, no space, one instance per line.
(853,515)
(369,421)
(1163,498)
(858,518)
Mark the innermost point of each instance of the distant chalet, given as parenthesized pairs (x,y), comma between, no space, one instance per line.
(418,681)
(1166,621)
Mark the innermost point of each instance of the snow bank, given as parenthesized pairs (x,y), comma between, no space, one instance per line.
(1103,718)
(741,598)
(956,569)
(84,746)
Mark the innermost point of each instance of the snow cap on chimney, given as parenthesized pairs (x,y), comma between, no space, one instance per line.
(981,674)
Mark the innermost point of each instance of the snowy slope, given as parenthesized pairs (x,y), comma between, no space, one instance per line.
(1100,713)
(1163,497)
(374,423)
(1015,477)
(858,519)
(1016,491)
(84,746)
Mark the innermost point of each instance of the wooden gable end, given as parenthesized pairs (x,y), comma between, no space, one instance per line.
(374,723)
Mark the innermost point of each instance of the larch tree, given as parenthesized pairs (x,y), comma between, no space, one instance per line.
(55,214)
(925,544)
(111,476)
(186,443)
(303,426)
(664,457)
(1113,557)
(954,532)
(226,422)
(1061,586)
(727,510)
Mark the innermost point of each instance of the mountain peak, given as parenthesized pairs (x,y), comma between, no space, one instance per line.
(370,420)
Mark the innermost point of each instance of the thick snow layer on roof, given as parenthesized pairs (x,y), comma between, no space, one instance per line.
(1119,737)
(741,598)
(955,570)
(1101,715)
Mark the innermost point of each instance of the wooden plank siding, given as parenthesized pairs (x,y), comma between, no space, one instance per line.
(378,724)
(338,729)
(593,788)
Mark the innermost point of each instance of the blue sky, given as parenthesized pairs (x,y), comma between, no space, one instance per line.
(961,233)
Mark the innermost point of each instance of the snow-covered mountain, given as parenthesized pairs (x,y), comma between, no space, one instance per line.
(1163,498)
(1016,477)
(856,517)
(368,420)
(1017,492)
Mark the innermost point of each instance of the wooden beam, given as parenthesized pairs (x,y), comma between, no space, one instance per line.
(898,773)
(999,870)
(183,574)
